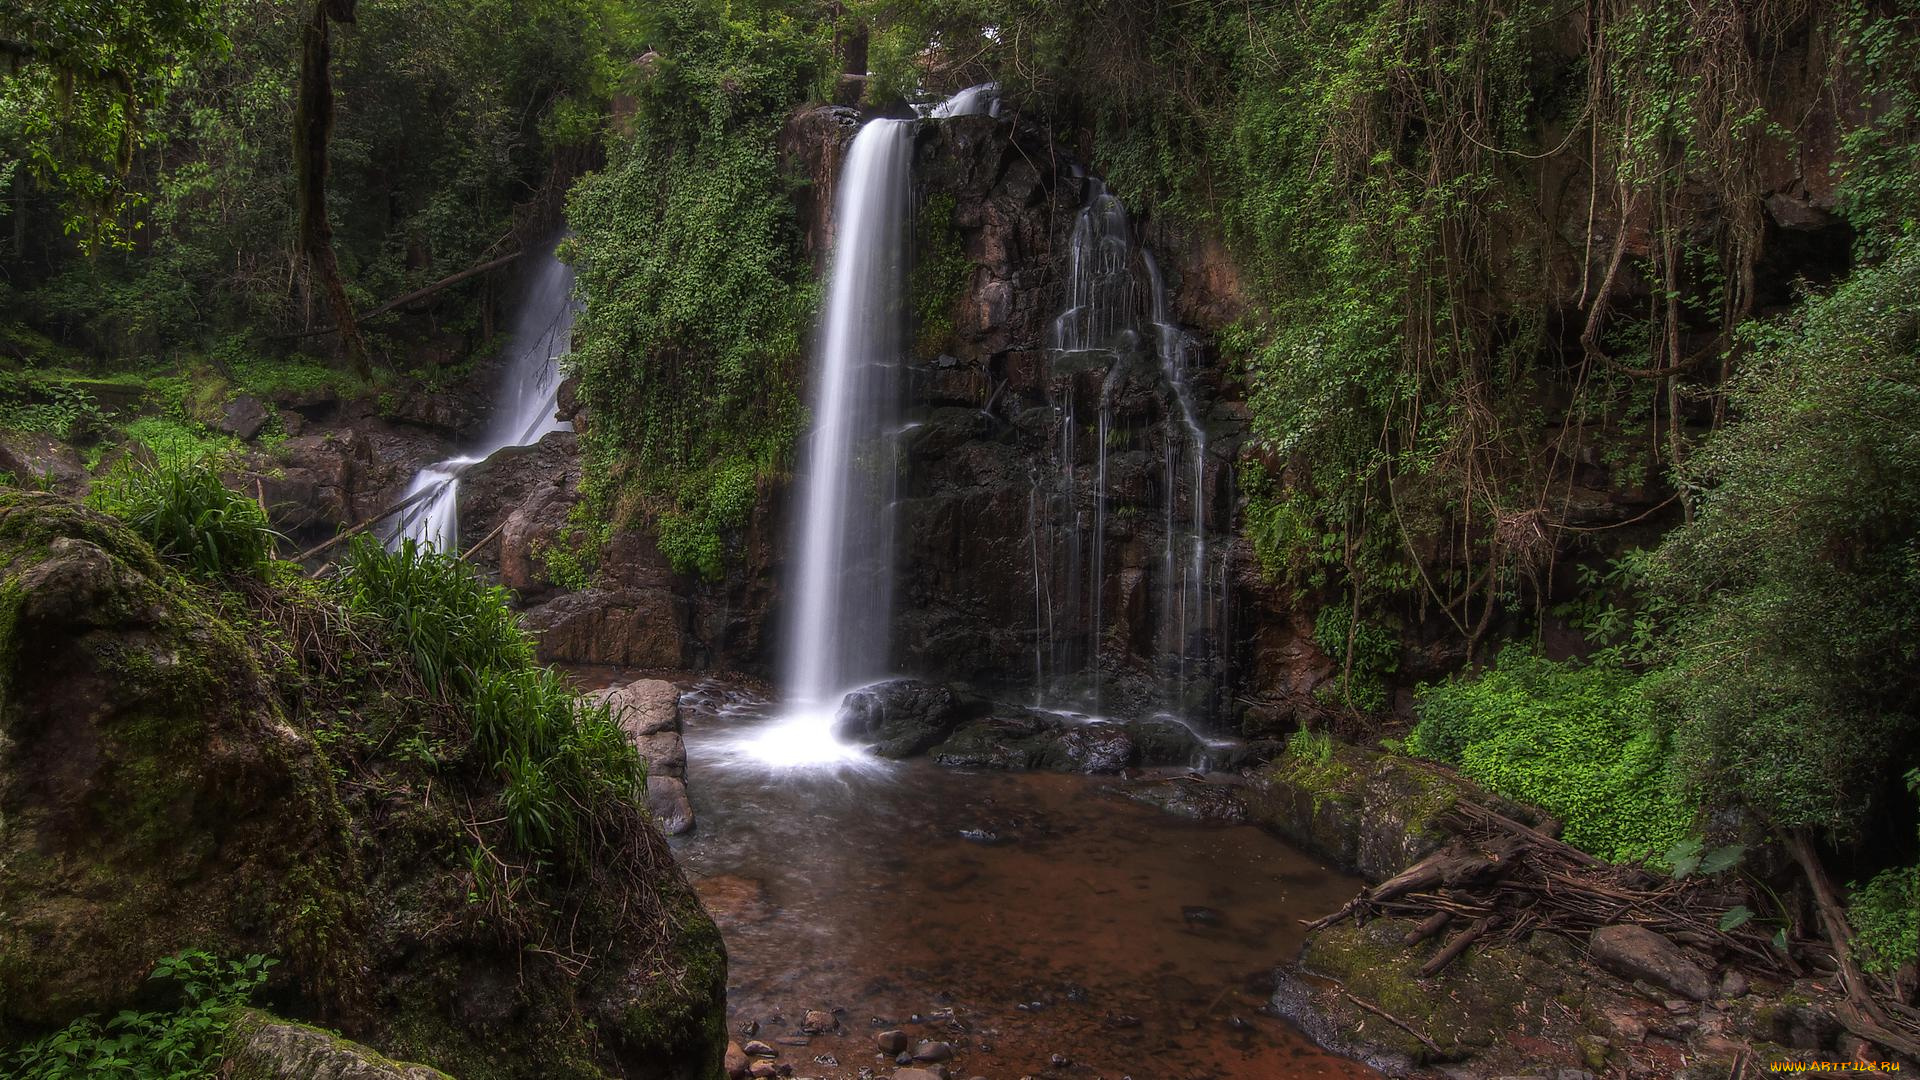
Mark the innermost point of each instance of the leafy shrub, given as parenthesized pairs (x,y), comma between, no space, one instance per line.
(1575,740)
(456,627)
(1362,682)
(181,508)
(1793,648)
(1886,919)
(179,1045)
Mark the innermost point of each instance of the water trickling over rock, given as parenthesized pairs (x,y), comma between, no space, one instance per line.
(1114,341)
(542,330)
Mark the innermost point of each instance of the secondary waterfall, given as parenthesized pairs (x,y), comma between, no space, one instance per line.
(838,622)
(541,331)
(1114,338)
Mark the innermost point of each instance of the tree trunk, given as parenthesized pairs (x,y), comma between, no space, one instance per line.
(312,128)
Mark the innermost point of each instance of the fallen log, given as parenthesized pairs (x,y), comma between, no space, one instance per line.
(1859,1012)
(1457,946)
(417,294)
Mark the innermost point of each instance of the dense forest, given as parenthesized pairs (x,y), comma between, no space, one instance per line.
(1559,368)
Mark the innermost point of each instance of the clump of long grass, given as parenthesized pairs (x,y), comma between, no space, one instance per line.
(180,506)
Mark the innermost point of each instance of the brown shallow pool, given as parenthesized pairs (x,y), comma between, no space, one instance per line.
(1015,916)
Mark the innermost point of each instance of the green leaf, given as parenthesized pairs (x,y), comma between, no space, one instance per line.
(1735,918)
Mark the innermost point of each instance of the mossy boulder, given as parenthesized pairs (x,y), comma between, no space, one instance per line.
(153,796)
(263,1047)
(178,771)
(1370,812)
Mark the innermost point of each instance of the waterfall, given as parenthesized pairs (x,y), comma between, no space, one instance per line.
(838,625)
(541,331)
(1116,322)
(981,100)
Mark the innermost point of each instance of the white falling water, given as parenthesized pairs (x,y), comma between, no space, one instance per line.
(839,617)
(541,332)
(981,100)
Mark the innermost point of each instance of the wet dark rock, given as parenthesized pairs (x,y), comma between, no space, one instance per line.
(736,1061)
(641,628)
(1196,915)
(891,1042)
(987,837)
(243,417)
(765,1070)
(756,1048)
(1635,952)
(35,460)
(817,1021)
(668,803)
(1098,748)
(1200,800)
(900,717)
(1060,1061)
(929,1050)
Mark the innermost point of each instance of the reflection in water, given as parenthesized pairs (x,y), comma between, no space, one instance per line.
(1018,916)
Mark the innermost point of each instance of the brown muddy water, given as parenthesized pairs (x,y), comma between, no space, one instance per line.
(1043,925)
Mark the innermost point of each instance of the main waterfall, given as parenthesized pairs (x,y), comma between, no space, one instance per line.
(524,410)
(838,620)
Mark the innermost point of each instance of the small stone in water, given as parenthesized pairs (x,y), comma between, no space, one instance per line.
(1201,916)
(793,1040)
(980,836)
(763,1070)
(1237,1024)
(903,1058)
(1076,993)
(757,1048)
(1121,1020)
(750,1028)
(891,1042)
(817,1022)
(933,1051)
(1060,1061)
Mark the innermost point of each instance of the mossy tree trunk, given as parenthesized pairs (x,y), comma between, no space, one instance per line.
(312,128)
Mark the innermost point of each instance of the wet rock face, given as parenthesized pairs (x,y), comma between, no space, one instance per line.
(263,1047)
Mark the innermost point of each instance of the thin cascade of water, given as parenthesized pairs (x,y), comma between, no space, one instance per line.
(1116,317)
(524,410)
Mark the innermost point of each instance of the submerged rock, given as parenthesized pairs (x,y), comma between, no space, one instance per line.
(900,717)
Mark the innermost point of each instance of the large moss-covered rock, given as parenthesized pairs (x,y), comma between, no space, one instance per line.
(178,770)
(153,796)
(1371,812)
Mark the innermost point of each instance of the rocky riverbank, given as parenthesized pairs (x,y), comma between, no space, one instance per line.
(1621,1001)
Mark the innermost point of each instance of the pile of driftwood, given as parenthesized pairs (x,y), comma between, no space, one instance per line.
(1503,878)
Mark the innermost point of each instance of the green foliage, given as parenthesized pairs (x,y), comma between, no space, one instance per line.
(455,627)
(1795,590)
(79,79)
(1576,740)
(940,272)
(1879,177)
(180,1045)
(60,409)
(1886,920)
(1366,653)
(181,507)
(697,291)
